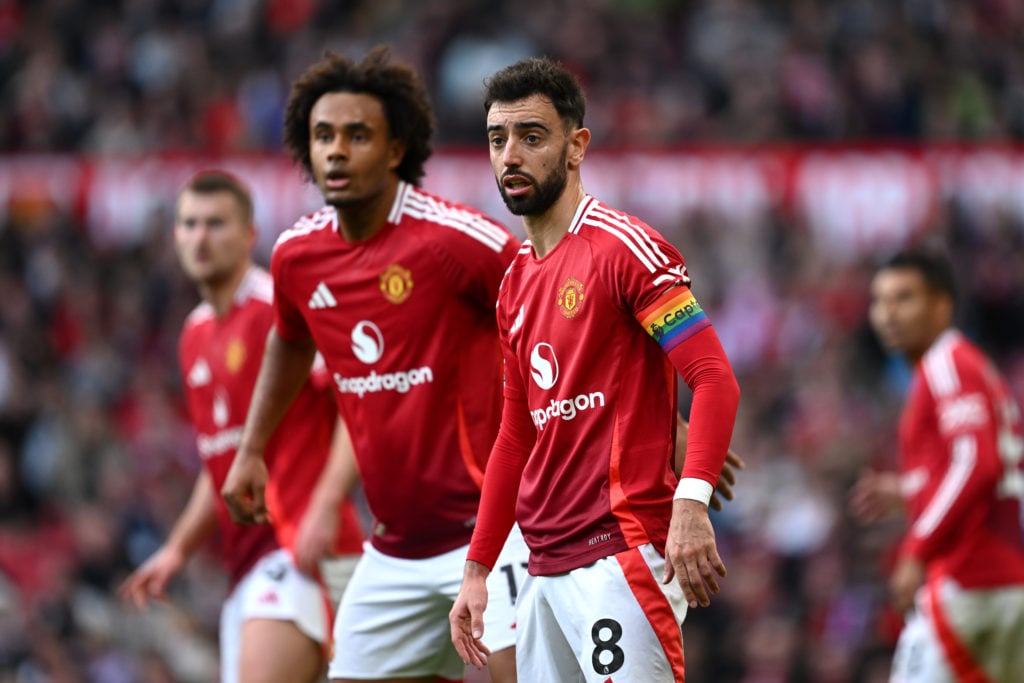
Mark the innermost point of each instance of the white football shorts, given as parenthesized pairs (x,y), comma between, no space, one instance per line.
(393,619)
(955,634)
(272,589)
(612,619)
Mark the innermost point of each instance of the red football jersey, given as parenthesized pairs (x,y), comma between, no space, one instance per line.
(961,448)
(586,330)
(220,358)
(405,321)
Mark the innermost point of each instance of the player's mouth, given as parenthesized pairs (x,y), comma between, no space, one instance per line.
(516,185)
(336,180)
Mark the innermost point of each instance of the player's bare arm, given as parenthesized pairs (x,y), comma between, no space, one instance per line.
(284,370)
(467,615)
(733,463)
(195,525)
(319,526)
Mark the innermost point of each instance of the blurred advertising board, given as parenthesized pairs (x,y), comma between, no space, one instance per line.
(853,201)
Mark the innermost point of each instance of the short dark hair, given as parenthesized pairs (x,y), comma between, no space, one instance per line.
(213,181)
(401,93)
(933,265)
(539,76)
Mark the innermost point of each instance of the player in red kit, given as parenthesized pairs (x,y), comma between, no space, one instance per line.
(275,623)
(596,317)
(960,574)
(396,288)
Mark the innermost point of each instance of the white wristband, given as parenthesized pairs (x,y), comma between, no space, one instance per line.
(694,489)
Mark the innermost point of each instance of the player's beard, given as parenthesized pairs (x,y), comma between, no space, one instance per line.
(544,195)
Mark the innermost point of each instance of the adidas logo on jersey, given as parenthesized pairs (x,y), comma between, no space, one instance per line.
(322,298)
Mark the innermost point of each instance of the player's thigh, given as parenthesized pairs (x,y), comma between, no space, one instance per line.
(631,621)
(275,650)
(392,623)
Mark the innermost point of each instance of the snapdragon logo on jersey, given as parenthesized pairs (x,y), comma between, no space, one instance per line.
(544,371)
(368,347)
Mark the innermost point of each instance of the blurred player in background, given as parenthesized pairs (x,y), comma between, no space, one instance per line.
(595,317)
(959,578)
(275,624)
(396,287)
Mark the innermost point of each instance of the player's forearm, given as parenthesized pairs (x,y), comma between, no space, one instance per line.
(704,366)
(501,483)
(679,459)
(197,521)
(284,369)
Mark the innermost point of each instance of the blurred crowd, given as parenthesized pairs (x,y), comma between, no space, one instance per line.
(120,76)
(96,455)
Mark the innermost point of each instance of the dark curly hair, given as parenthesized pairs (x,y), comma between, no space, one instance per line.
(404,100)
(539,76)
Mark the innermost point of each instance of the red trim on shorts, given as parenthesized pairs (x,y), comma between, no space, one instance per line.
(466,448)
(656,608)
(632,530)
(958,656)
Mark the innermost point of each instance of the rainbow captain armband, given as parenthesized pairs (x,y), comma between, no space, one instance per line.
(674,317)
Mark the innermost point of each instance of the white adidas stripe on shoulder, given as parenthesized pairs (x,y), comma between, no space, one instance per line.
(600,223)
(424,207)
(637,236)
(319,220)
(939,368)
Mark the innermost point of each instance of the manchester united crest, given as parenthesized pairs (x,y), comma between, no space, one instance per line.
(396,283)
(234,357)
(570,297)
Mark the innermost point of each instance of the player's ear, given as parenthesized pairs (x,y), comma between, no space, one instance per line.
(579,138)
(396,153)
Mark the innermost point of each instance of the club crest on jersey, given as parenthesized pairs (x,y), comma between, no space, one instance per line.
(396,283)
(234,356)
(570,297)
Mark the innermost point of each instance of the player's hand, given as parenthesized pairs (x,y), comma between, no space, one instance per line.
(875,495)
(467,616)
(244,489)
(315,537)
(727,479)
(690,552)
(150,580)
(907,578)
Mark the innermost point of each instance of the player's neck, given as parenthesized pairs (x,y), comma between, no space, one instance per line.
(221,294)
(546,230)
(362,220)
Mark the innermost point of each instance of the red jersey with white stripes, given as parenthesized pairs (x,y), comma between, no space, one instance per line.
(586,330)
(220,358)
(961,448)
(405,321)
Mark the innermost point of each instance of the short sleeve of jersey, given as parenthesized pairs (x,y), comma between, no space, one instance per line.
(288,319)
(653,285)
(474,262)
